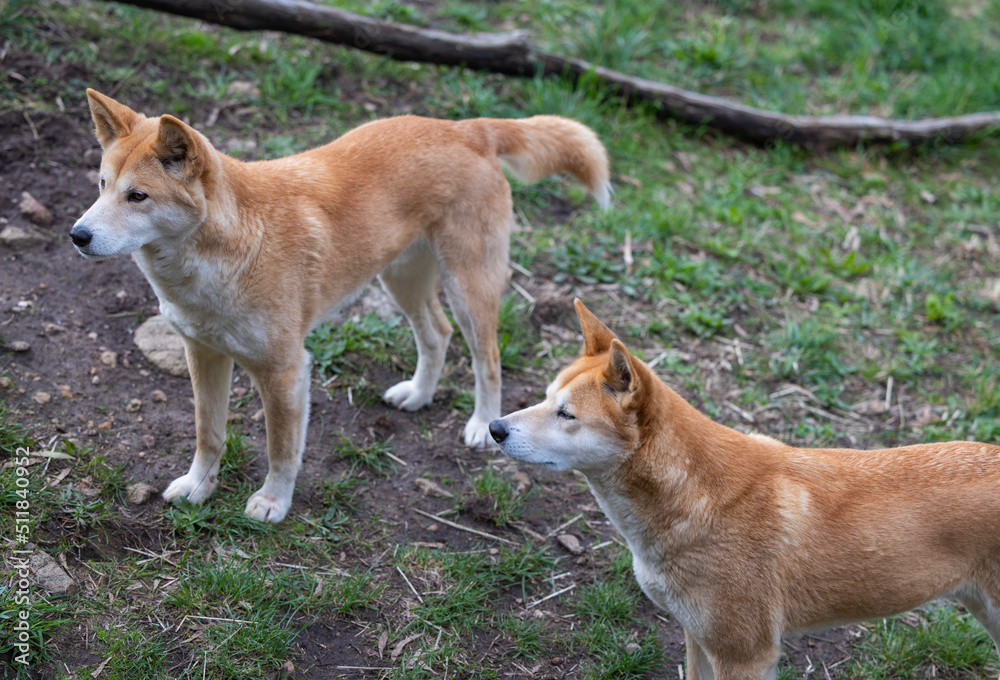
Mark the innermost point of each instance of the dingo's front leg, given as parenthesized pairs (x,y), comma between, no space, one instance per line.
(285,393)
(211,373)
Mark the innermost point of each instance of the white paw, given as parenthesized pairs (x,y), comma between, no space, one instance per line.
(477,434)
(194,486)
(407,396)
(266,508)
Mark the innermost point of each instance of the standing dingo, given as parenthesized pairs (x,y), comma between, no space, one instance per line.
(742,538)
(247,258)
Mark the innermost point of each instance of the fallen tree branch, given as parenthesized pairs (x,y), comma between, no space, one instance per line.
(510,53)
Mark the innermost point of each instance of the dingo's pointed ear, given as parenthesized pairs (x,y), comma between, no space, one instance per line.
(179,148)
(620,374)
(113,120)
(596,336)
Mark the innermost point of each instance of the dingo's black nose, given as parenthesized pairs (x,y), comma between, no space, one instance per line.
(81,236)
(498,430)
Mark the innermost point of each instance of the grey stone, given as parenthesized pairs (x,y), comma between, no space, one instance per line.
(571,543)
(161,346)
(49,575)
(139,493)
(35,211)
(17,238)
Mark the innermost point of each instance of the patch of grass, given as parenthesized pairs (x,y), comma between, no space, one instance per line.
(47,618)
(517,338)
(616,654)
(13,434)
(372,456)
(615,35)
(189,519)
(83,510)
(935,637)
(470,584)
(336,349)
(530,637)
(498,492)
(349,593)
(237,455)
(251,612)
(132,653)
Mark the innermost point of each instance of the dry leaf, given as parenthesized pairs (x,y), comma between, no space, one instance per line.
(398,649)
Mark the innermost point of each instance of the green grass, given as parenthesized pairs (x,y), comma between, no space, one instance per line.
(338,348)
(374,456)
(133,652)
(911,646)
(500,494)
(248,614)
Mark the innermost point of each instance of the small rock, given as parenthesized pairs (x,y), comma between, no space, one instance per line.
(17,238)
(105,426)
(239,392)
(258,415)
(138,494)
(93,177)
(19,346)
(233,417)
(133,405)
(65,391)
(92,158)
(49,575)
(148,441)
(96,380)
(52,328)
(237,88)
(927,196)
(35,211)
(41,398)
(429,488)
(522,480)
(109,358)
(158,397)
(571,543)
(632,648)
(5,382)
(161,346)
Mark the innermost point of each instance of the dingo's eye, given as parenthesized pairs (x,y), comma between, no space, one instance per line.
(137,197)
(102,184)
(563,414)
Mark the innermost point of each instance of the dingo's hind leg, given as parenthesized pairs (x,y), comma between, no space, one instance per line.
(411,280)
(984,604)
(474,286)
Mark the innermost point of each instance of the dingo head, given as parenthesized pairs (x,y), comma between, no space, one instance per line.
(590,417)
(150,182)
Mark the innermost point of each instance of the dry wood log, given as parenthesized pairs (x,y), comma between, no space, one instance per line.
(510,53)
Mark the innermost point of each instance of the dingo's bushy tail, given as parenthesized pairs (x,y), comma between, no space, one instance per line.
(536,147)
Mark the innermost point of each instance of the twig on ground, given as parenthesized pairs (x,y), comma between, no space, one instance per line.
(456,525)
